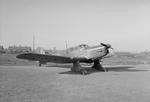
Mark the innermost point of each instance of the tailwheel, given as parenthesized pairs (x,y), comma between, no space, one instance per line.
(40,64)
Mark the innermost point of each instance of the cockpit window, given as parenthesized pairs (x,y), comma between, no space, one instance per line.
(83,46)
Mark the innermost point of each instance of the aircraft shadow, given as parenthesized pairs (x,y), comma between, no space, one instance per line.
(112,69)
(60,65)
(124,69)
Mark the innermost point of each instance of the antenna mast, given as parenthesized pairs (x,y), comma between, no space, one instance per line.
(33,43)
(66,45)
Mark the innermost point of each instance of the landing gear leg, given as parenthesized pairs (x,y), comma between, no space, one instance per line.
(98,66)
(77,68)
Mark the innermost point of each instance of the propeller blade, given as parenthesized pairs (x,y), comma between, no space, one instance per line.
(103,44)
(111,48)
(106,45)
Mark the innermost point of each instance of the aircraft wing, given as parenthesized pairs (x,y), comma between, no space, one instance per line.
(55,58)
(44,58)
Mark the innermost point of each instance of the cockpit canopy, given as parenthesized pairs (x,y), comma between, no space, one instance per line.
(83,46)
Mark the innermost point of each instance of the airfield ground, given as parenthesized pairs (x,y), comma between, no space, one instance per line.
(55,84)
(23,81)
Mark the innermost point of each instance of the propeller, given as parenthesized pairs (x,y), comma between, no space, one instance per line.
(106,45)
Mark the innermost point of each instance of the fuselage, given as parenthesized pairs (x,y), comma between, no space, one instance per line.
(93,52)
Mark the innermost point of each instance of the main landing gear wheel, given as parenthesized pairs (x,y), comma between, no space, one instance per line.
(98,66)
(77,68)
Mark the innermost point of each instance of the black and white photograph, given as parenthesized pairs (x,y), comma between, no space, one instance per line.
(74,50)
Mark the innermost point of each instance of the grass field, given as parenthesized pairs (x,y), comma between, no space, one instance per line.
(55,84)
(127,80)
(10,59)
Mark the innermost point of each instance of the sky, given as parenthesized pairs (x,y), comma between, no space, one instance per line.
(125,24)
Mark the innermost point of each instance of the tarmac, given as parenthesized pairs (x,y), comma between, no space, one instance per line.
(59,84)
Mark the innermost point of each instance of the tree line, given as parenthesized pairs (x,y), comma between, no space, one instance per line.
(15,49)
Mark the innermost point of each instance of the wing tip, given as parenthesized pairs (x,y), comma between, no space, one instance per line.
(22,56)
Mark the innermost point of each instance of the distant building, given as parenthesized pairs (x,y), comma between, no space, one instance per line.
(2,50)
(18,49)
